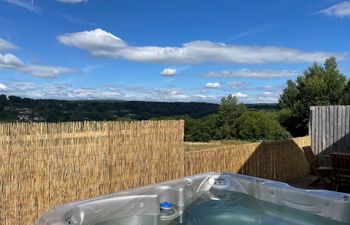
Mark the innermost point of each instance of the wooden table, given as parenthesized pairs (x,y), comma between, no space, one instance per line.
(341,168)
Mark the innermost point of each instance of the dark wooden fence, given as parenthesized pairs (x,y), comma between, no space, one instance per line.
(330,129)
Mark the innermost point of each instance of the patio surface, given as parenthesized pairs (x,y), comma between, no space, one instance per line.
(304,182)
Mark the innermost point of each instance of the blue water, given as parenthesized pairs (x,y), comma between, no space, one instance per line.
(231,208)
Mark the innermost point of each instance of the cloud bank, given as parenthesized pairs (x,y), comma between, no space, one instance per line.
(11,62)
(247,73)
(339,10)
(2,87)
(6,46)
(101,43)
(235,84)
(70,92)
(59,90)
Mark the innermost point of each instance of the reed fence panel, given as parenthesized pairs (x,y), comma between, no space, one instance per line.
(42,165)
(277,160)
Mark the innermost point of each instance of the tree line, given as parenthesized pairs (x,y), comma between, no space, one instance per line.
(13,108)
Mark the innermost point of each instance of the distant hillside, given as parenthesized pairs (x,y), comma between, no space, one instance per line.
(14,108)
(262,107)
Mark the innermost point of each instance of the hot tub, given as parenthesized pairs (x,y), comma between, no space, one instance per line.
(208,199)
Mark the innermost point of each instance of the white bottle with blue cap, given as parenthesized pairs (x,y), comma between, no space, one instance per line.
(167,211)
(166,205)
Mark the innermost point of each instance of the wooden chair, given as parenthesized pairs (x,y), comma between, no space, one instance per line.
(323,172)
(341,166)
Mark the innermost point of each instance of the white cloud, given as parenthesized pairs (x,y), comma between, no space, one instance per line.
(277,89)
(213,85)
(101,43)
(269,94)
(5,45)
(263,99)
(24,87)
(98,42)
(238,84)
(340,10)
(27,4)
(3,87)
(168,94)
(247,73)
(11,62)
(72,1)
(46,71)
(168,72)
(240,95)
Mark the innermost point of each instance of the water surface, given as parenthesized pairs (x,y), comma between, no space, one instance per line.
(231,208)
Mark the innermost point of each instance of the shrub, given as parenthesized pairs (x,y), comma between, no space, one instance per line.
(260,126)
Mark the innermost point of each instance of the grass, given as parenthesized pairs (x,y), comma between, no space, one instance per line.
(192,146)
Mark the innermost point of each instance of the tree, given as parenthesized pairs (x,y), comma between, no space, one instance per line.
(3,100)
(228,114)
(345,98)
(260,126)
(319,85)
(203,129)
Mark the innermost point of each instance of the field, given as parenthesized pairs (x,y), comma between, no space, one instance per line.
(193,146)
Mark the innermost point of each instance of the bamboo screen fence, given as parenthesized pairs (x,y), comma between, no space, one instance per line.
(277,160)
(42,165)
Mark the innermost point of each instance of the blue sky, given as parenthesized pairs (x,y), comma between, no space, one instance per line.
(183,50)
